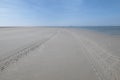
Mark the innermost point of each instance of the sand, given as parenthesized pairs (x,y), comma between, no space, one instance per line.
(58,54)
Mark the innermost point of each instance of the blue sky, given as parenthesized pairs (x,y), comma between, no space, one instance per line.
(59,12)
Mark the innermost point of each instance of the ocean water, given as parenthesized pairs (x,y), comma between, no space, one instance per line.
(111,30)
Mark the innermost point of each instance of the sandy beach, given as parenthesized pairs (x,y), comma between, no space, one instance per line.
(58,54)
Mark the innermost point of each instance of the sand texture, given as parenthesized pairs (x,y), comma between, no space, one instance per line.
(58,54)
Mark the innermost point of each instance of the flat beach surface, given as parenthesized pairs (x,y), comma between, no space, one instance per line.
(58,54)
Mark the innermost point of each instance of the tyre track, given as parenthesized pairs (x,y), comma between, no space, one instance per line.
(105,65)
(23,51)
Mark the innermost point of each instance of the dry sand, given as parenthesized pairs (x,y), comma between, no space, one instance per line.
(58,54)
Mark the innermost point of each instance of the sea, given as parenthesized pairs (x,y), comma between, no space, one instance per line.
(109,30)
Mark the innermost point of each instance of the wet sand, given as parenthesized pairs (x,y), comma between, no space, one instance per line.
(58,54)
